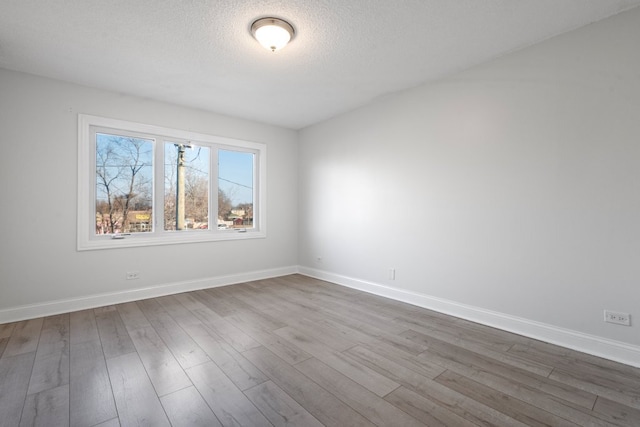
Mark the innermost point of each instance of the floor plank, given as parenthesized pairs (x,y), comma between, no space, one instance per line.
(6,329)
(455,402)
(51,367)
(47,408)
(535,393)
(516,409)
(612,380)
(485,350)
(136,400)
(239,370)
(3,345)
(427,411)
(114,422)
(619,391)
(392,363)
(163,369)
(617,413)
(475,365)
(187,408)
(83,327)
(184,349)
(280,409)
(371,406)
(216,302)
(24,338)
(113,334)
(324,406)
(278,345)
(364,376)
(181,314)
(14,374)
(189,301)
(440,399)
(566,358)
(90,394)
(227,331)
(132,316)
(228,403)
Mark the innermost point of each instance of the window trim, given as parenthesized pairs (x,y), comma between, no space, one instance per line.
(86,238)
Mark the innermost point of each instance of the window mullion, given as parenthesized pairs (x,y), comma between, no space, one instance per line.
(256,190)
(213,189)
(158,187)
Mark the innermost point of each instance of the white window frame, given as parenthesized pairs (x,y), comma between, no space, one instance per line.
(87,238)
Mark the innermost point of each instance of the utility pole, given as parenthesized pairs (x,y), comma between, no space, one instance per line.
(180,187)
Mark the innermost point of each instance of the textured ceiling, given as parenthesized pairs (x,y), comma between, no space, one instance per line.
(345,54)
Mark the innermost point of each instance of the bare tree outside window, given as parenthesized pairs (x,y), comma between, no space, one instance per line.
(124,184)
(225,204)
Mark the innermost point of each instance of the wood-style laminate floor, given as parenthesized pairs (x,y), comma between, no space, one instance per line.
(296,351)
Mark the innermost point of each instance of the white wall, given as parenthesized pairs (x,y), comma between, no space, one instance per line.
(511,189)
(39,263)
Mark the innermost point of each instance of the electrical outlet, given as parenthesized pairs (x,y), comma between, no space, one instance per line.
(133,275)
(617,318)
(392,274)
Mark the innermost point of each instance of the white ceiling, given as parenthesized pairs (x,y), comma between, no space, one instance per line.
(345,54)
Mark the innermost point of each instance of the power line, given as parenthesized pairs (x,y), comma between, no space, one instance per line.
(236,183)
(197,170)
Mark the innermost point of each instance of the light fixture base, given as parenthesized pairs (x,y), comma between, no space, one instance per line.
(272,33)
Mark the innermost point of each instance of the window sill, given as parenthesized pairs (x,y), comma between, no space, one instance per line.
(133,241)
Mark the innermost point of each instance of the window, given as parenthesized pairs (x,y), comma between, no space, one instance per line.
(147,185)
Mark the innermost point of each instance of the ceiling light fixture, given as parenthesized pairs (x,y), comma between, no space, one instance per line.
(272,33)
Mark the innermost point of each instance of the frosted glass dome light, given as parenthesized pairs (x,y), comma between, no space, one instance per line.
(272,33)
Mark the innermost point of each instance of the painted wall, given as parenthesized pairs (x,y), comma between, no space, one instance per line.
(512,187)
(38,186)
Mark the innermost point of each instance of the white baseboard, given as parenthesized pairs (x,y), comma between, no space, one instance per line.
(50,308)
(590,344)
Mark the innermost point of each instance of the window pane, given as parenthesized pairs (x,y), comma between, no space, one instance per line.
(235,189)
(124,184)
(186,186)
